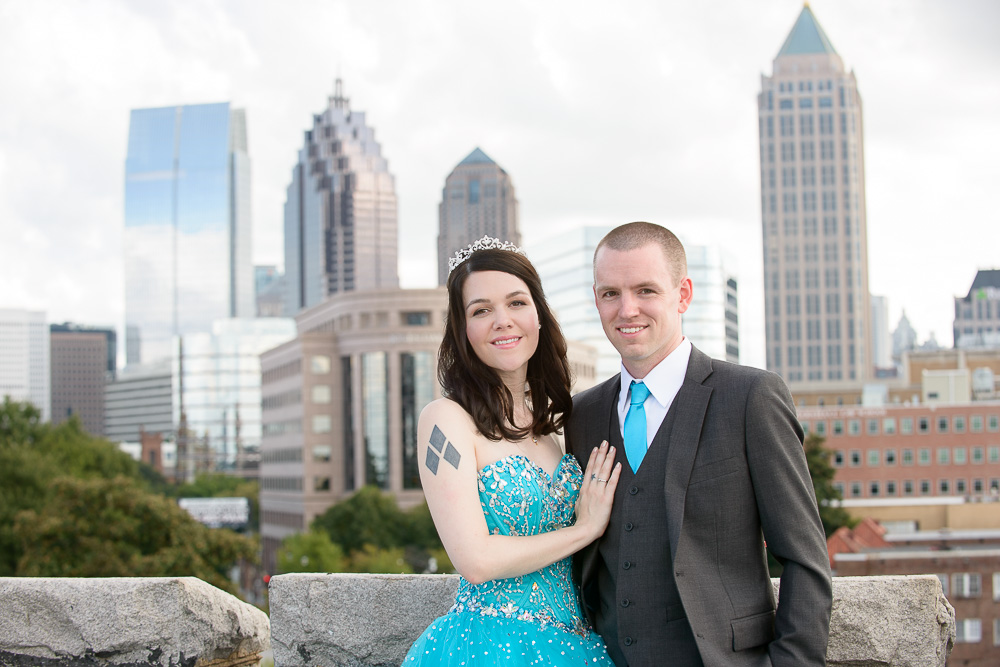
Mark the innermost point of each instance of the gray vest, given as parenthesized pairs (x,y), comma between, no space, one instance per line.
(641,617)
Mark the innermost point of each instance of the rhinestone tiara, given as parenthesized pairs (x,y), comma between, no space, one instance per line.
(485,243)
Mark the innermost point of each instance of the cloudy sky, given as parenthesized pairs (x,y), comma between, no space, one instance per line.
(601,112)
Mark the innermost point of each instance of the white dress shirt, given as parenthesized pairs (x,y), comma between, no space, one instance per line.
(664,381)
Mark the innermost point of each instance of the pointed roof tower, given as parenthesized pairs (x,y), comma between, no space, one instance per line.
(806,36)
(477,157)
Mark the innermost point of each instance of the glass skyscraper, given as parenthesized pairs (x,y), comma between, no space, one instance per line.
(813,213)
(340,211)
(187,225)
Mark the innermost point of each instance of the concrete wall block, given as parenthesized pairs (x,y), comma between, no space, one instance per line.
(353,619)
(360,620)
(175,622)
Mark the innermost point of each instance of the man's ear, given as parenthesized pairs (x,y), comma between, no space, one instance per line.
(686,294)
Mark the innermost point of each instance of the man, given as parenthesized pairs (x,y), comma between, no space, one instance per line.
(712,465)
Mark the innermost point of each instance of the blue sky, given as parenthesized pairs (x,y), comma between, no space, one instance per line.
(602,113)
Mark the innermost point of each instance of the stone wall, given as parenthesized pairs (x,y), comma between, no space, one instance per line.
(169,622)
(367,620)
(371,620)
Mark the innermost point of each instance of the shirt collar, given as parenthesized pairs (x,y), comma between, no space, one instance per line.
(666,378)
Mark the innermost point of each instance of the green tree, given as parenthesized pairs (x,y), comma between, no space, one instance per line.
(367,517)
(372,559)
(822,472)
(310,552)
(115,528)
(33,454)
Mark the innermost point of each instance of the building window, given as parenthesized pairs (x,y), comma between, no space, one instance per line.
(943,578)
(873,489)
(977,486)
(417,390)
(977,454)
(907,457)
(966,585)
(855,489)
(996,631)
(943,456)
(855,457)
(925,487)
(968,631)
(942,424)
(906,425)
(993,454)
(872,427)
(993,425)
(890,488)
(838,427)
(924,425)
(925,456)
(839,488)
(347,421)
(874,457)
(375,413)
(976,423)
(322,453)
(319,364)
(890,457)
(821,428)
(944,487)
(838,459)
(321,424)
(959,456)
(960,487)
(321,394)
(854,426)
(907,487)
(996,586)
(321,484)
(959,423)
(420,319)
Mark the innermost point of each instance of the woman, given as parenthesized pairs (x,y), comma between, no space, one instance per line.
(500,488)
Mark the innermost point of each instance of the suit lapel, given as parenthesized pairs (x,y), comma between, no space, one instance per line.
(601,421)
(690,404)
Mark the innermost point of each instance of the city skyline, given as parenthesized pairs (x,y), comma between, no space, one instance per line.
(594,135)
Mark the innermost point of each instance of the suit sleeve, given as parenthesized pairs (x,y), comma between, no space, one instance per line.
(790,522)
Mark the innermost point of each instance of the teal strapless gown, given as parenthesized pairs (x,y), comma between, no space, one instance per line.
(533,619)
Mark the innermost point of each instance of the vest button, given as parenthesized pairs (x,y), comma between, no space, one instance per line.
(625,602)
(628,641)
(634,490)
(626,565)
(628,526)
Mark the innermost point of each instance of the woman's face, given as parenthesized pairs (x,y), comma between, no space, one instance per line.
(501,321)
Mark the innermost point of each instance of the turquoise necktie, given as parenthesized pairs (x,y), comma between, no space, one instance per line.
(635,426)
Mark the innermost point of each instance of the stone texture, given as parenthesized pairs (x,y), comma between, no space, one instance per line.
(353,619)
(370,620)
(176,622)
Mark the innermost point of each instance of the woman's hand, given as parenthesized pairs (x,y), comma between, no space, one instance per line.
(600,479)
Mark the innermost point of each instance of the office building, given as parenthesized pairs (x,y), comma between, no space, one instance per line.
(140,400)
(24,358)
(817,313)
(187,225)
(340,211)
(341,402)
(565,263)
(477,200)
(977,315)
(83,360)
(881,340)
(269,286)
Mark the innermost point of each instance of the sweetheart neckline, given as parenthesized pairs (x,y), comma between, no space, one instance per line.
(530,461)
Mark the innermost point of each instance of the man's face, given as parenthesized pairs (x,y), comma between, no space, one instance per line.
(639,304)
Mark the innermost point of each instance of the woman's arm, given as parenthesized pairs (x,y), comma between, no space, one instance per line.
(449,472)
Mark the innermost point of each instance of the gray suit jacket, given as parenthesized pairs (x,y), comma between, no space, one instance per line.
(736,475)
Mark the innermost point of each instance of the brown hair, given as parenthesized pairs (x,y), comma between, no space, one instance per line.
(477,387)
(638,234)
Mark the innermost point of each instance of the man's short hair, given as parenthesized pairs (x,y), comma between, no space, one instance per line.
(634,235)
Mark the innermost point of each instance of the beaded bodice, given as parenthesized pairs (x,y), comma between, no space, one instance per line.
(519,498)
